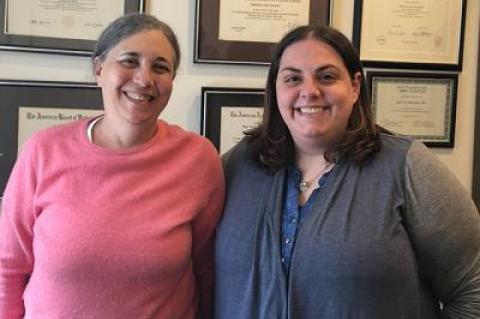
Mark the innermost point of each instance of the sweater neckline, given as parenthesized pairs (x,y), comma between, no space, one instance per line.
(159,135)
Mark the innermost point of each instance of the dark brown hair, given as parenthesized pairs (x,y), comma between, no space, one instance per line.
(271,141)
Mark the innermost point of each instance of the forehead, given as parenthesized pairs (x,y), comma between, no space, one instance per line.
(152,42)
(310,51)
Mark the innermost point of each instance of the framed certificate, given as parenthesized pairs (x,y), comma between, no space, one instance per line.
(228,112)
(416,104)
(246,31)
(420,34)
(69,27)
(26,107)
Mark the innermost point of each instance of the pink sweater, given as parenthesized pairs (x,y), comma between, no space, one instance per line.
(89,232)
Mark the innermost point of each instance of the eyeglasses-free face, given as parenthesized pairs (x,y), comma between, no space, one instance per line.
(315,93)
(137,78)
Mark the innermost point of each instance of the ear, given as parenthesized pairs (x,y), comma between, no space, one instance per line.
(97,68)
(356,85)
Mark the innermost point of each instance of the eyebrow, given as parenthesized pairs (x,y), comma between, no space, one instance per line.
(295,70)
(136,55)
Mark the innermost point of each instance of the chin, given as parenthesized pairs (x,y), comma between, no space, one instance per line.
(314,132)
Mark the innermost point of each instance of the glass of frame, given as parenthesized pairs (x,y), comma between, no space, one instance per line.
(26,107)
(419,105)
(69,27)
(246,32)
(421,34)
(228,112)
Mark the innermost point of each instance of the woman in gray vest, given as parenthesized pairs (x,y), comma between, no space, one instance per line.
(329,217)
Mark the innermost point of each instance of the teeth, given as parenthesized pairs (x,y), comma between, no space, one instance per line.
(139,97)
(311,109)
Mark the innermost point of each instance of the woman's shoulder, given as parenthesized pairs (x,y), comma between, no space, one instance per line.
(175,132)
(399,154)
(239,162)
(394,147)
(398,143)
(403,146)
(56,133)
(392,155)
(239,153)
(46,143)
(182,141)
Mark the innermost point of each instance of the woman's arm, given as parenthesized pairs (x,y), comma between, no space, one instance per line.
(16,233)
(444,226)
(203,230)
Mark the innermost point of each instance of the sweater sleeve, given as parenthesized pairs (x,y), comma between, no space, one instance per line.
(444,226)
(203,230)
(16,233)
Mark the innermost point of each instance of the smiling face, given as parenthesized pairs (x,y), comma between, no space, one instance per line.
(136,78)
(315,93)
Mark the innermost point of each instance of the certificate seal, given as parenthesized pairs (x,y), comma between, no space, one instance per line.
(381,39)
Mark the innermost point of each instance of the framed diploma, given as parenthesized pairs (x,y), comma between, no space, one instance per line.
(416,104)
(246,31)
(228,112)
(69,27)
(27,107)
(419,34)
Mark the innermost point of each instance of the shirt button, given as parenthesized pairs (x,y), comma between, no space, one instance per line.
(294,220)
(283,260)
(287,241)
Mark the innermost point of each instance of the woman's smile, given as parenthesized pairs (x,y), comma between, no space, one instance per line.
(139,97)
(312,109)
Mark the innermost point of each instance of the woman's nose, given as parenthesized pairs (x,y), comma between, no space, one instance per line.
(310,88)
(143,76)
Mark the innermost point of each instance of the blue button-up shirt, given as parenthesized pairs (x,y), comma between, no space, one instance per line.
(293,214)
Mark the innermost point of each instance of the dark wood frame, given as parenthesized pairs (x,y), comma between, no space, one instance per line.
(49,44)
(209,49)
(14,94)
(476,143)
(214,98)
(357,34)
(451,78)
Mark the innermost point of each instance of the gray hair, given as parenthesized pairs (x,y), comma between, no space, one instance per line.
(131,24)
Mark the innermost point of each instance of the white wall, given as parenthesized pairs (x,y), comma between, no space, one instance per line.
(184,107)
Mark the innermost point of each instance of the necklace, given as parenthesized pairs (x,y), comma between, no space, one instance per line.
(91,126)
(304,186)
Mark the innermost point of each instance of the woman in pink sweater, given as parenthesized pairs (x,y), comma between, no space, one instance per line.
(114,217)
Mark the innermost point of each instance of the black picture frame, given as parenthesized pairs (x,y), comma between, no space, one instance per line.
(402,60)
(56,45)
(37,94)
(216,99)
(208,48)
(410,104)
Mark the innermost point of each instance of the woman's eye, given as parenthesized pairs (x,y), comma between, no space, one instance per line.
(327,77)
(292,79)
(161,68)
(128,62)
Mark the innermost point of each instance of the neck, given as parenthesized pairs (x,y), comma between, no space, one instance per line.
(308,162)
(111,136)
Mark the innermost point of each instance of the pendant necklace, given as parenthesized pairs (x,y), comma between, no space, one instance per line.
(304,186)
